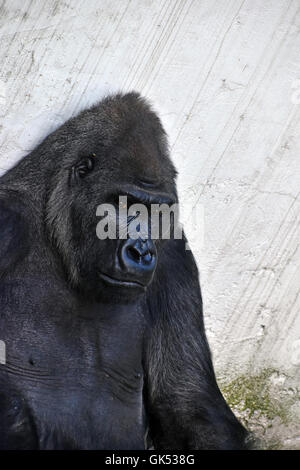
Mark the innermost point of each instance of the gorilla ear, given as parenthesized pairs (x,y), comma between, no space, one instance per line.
(83,167)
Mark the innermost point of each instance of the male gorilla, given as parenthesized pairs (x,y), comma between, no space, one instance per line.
(105,342)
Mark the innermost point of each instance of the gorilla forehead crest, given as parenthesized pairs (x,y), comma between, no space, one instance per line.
(125,120)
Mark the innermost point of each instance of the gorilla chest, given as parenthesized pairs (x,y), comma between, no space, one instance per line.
(74,382)
(91,408)
(99,410)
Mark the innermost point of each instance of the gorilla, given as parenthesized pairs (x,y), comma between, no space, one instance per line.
(105,340)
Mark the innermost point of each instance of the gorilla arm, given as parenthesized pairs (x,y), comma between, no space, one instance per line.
(185,407)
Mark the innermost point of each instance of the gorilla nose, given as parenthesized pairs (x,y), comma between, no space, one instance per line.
(138,258)
(140,252)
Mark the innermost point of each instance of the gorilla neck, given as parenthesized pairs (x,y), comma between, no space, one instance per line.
(115,309)
(120,331)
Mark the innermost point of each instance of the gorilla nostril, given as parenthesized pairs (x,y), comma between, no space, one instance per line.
(133,254)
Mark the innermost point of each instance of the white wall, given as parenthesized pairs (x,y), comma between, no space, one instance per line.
(225,78)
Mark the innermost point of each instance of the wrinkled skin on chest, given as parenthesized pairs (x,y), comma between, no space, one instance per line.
(79,382)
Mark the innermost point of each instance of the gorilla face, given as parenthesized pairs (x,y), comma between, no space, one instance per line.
(118,149)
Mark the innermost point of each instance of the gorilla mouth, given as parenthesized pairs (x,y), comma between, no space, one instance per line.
(120,282)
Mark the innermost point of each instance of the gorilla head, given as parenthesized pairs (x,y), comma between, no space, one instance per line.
(116,148)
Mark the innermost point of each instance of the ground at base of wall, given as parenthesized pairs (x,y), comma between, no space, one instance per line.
(268,405)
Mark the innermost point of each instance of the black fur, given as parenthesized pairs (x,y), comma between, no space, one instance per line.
(90,366)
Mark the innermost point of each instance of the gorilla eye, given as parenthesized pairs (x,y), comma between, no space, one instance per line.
(82,168)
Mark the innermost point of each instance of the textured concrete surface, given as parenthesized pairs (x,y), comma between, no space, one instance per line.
(225,77)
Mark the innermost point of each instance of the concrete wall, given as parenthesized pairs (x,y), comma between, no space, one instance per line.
(225,78)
